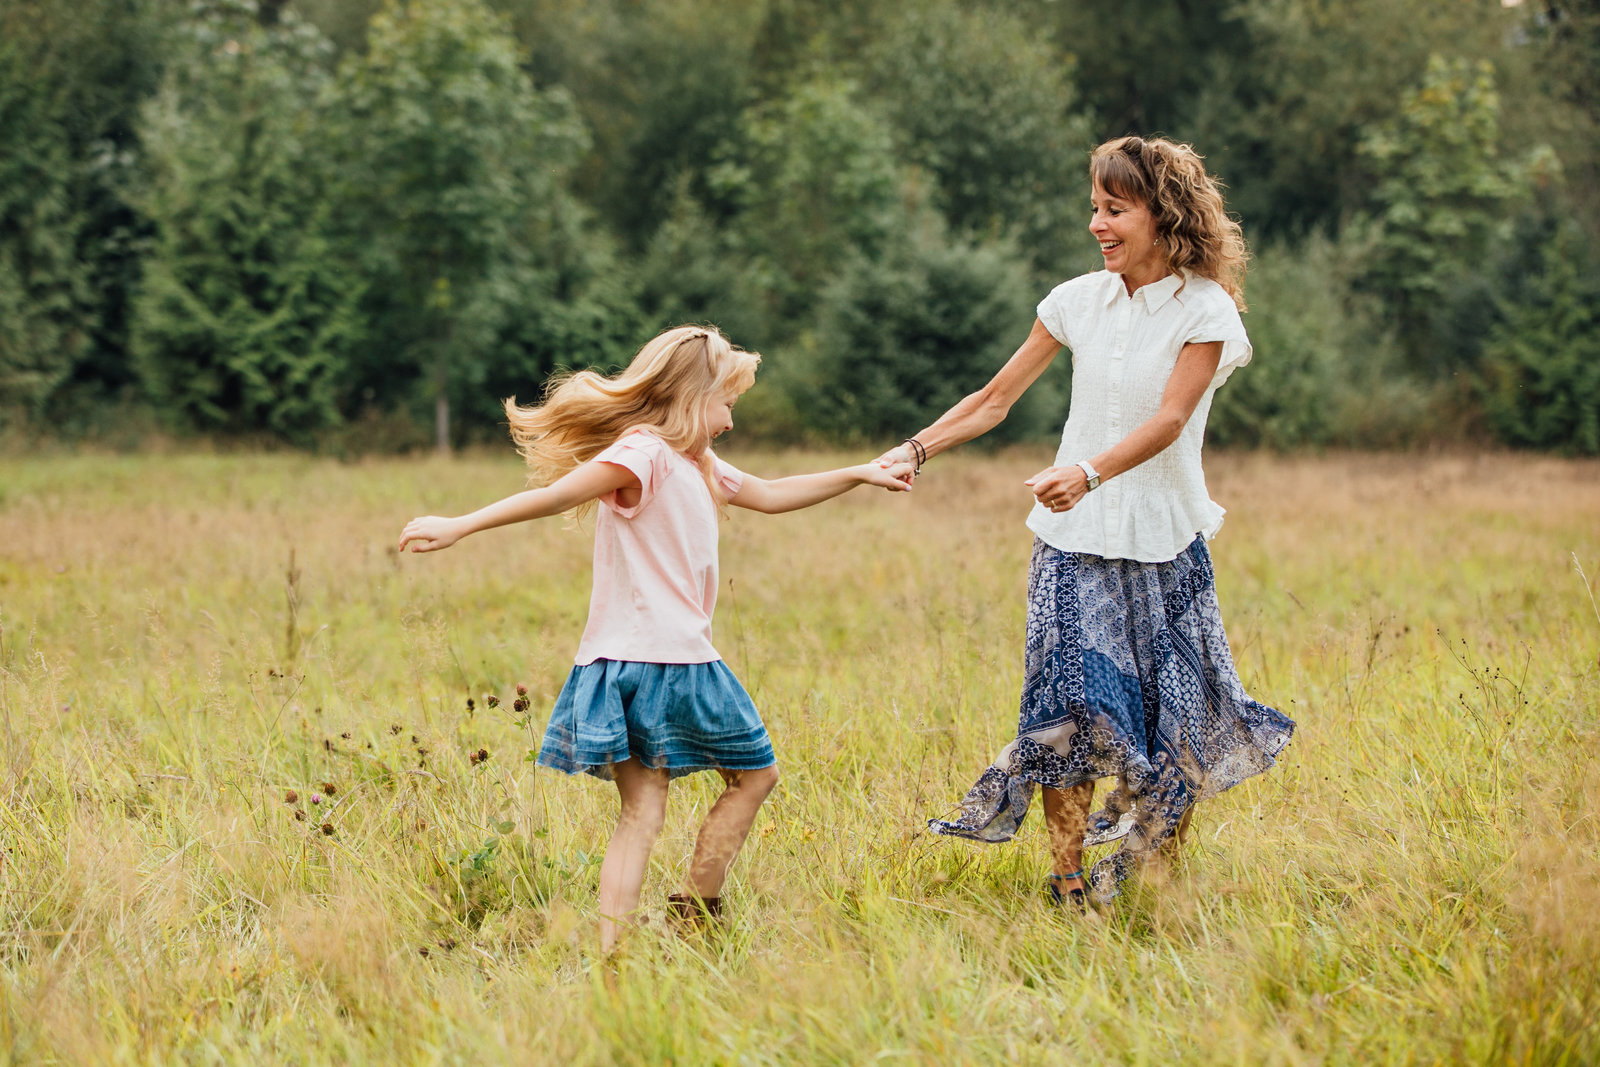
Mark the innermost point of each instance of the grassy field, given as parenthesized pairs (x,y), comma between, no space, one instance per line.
(186,641)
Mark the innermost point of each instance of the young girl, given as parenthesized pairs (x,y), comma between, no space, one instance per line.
(650,698)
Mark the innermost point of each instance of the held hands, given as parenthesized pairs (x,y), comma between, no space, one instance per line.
(901,453)
(429,533)
(1059,488)
(900,458)
(895,476)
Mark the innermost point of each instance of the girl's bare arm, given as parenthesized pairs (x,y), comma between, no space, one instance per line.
(802,490)
(429,533)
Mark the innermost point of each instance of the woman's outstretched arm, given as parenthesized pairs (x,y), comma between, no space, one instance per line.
(978,413)
(592,480)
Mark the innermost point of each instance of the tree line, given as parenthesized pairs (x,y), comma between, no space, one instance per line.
(354,224)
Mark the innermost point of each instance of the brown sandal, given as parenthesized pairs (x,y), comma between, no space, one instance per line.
(688,912)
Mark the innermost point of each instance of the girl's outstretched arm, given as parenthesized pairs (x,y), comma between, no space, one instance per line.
(430,533)
(802,490)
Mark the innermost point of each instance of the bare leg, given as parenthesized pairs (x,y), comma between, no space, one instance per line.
(644,809)
(726,827)
(1066,814)
(1173,845)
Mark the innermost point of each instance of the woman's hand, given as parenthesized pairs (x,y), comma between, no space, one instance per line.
(895,477)
(901,453)
(429,533)
(1059,488)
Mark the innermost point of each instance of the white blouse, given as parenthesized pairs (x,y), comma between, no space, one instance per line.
(1123,352)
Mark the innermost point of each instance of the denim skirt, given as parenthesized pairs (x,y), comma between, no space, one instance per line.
(679,716)
(1127,674)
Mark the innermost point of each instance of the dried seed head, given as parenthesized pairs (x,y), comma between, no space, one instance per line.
(492,700)
(291,797)
(299,816)
(470,704)
(395,728)
(328,789)
(327,829)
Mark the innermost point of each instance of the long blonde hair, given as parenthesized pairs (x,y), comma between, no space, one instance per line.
(1193,228)
(664,390)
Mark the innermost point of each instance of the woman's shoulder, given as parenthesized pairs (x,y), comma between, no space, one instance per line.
(1084,284)
(1071,301)
(1206,295)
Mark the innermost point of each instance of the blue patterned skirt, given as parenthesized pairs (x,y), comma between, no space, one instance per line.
(683,717)
(1127,674)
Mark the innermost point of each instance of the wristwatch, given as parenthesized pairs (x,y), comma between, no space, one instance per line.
(1094,479)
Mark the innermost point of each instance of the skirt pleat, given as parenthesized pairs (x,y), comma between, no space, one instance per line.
(681,717)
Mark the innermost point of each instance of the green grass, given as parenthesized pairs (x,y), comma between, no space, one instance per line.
(184,640)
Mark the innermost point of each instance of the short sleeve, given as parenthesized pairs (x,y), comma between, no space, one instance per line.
(1060,310)
(645,455)
(1217,319)
(729,477)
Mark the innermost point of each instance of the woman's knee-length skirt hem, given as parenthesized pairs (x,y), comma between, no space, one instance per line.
(681,717)
(1127,674)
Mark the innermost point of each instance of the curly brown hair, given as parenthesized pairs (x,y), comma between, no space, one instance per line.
(1193,228)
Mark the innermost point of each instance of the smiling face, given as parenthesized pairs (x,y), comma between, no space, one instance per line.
(719,413)
(1127,234)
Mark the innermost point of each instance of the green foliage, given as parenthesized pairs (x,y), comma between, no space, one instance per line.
(246,318)
(488,190)
(1284,119)
(42,286)
(809,180)
(449,176)
(901,338)
(656,115)
(1004,143)
(1444,196)
(1325,369)
(72,77)
(1541,368)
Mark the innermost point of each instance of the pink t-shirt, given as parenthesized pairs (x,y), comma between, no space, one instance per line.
(655,564)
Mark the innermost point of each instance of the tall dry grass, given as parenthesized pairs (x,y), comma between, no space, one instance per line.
(186,641)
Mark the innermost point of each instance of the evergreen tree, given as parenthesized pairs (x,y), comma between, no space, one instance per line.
(72,78)
(1004,144)
(806,181)
(43,290)
(902,336)
(451,174)
(246,316)
(1444,198)
(1541,368)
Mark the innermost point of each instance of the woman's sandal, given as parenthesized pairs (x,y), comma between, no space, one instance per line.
(688,913)
(1076,896)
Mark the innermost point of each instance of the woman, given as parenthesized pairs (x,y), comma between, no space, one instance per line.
(1127,670)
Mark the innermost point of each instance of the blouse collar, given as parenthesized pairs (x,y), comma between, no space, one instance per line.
(1155,295)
